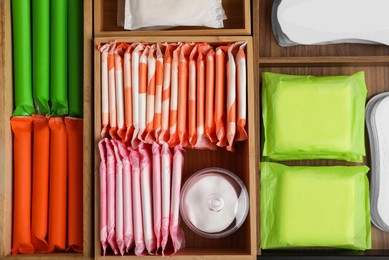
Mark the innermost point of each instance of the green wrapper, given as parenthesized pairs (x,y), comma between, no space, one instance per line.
(21,23)
(75,57)
(41,55)
(59,103)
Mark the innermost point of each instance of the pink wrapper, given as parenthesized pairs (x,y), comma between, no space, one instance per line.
(220,96)
(137,203)
(174,140)
(147,202)
(158,91)
(104,91)
(119,199)
(241,93)
(176,232)
(192,133)
(112,90)
(103,196)
(142,93)
(127,198)
(157,192)
(137,52)
(210,96)
(151,71)
(111,164)
(166,161)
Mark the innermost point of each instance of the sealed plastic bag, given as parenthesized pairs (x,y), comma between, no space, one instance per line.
(103,196)
(135,57)
(112,90)
(151,74)
(307,117)
(192,131)
(166,170)
(157,192)
(142,92)
(315,207)
(119,67)
(241,92)
(104,90)
(158,91)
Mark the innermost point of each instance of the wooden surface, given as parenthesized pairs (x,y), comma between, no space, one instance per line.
(6,108)
(237,11)
(242,162)
(338,59)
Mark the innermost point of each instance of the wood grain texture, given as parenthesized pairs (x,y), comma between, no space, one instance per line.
(6,167)
(237,11)
(242,162)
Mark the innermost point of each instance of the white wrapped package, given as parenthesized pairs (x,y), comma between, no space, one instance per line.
(157,14)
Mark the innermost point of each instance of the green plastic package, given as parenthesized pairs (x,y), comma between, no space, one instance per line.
(308,117)
(75,58)
(58,90)
(315,207)
(21,24)
(41,55)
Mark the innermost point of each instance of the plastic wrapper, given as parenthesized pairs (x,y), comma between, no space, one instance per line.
(103,196)
(147,201)
(137,203)
(41,55)
(173,116)
(58,185)
(176,233)
(127,81)
(111,193)
(119,229)
(143,92)
(209,126)
(135,57)
(307,117)
(297,209)
(157,192)
(21,25)
(202,141)
(151,71)
(166,169)
(220,95)
(241,93)
(192,131)
(119,82)
(156,14)
(22,143)
(40,183)
(112,91)
(158,91)
(104,90)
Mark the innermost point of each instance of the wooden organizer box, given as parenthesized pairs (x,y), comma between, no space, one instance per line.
(6,153)
(338,59)
(240,245)
(237,11)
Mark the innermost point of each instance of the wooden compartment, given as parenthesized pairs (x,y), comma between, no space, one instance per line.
(324,60)
(237,11)
(243,162)
(6,153)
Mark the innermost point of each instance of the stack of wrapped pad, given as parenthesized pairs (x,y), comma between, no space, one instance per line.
(307,22)
(48,154)
(377,111)
(189,94)
(139,197)
(305,118)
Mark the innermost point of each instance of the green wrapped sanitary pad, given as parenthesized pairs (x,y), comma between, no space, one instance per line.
(315,207)
(308,117)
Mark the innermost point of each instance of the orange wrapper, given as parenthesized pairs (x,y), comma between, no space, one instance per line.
(183,79)
(58,185)
(174,140)
(135,57)
(112,90)
(220,89)
(119,82)
(166,89)
(104,90)
(151,69)
(142,93)
(210,96)
(202,141)
(158,91)
(128,93)
(40,183)
(74,129)
(241,82)
(231,96)
(192,98)
(22,128)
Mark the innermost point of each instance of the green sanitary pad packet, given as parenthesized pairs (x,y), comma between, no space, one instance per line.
(308,117)
(315,207)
